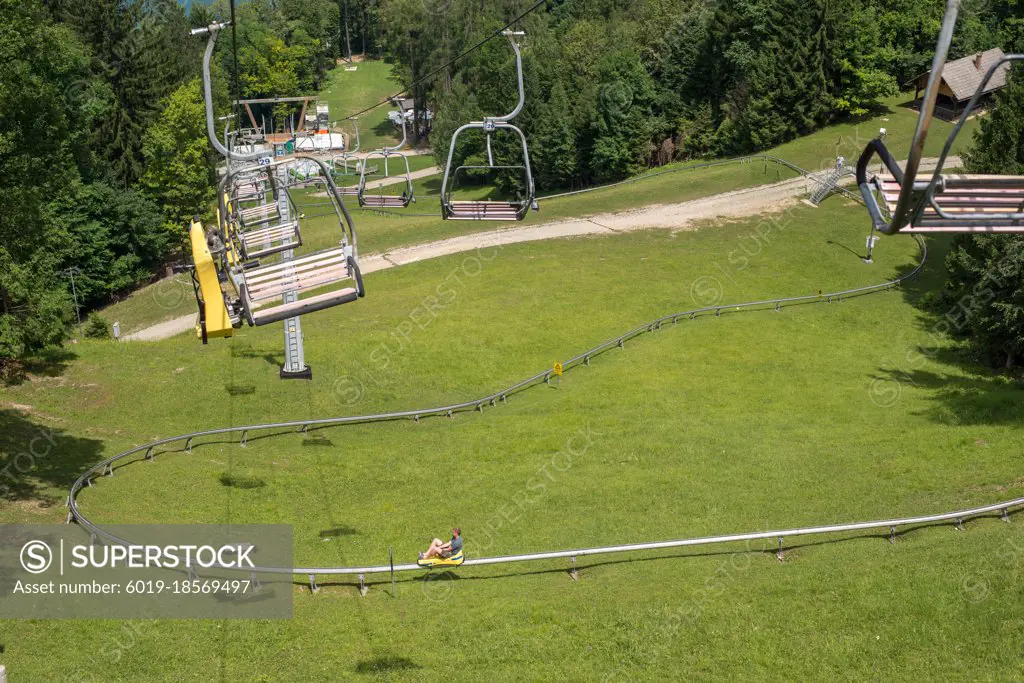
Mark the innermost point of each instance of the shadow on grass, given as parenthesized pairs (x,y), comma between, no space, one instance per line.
(241,481)
(386,664)
(240,389)
(48,363)
(977,394)
(431,185)
(248,352)
(843,246)
(35,457)
(386,129)
(339,531)
(976,399)
(317,440)
(920,291)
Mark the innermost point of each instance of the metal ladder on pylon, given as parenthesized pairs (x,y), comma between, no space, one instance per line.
(294,353)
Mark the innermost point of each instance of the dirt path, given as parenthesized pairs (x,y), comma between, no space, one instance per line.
(680,216)
(373,181)
(164,330)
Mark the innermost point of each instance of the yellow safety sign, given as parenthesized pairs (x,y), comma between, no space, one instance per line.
(558,369)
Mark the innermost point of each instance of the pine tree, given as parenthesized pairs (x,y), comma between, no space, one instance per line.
(985,287)
(554,142)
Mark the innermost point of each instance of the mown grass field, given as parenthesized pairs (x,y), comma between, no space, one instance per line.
(347,92)
(749,421)
(164,300)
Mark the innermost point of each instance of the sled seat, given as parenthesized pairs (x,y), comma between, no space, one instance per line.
(452,561)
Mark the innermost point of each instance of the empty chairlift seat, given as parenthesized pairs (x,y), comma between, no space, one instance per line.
(964,203)
(268,231)
(260,214)
(483,211)
(305,277)
(378,201)
(250,191)
(462,210)
(381,200)
(274,239)
(951,203)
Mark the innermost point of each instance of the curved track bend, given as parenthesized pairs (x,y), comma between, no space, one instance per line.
(146,451)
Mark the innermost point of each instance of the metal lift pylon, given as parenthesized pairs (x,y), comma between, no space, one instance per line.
(294,352)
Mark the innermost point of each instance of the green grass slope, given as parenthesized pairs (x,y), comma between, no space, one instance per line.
(820,413)
(347,92)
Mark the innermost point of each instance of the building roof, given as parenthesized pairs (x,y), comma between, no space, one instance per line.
(404,103)
(963,76)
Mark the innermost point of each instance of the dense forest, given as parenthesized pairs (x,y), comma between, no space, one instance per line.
(616,86)
(103,150)
(103,155)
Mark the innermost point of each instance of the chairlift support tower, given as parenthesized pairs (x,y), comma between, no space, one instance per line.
(294,352)
(247,235)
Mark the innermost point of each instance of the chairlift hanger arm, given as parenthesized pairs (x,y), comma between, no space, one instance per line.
(953,203)
(213,30)
(968,204)
(511,35)
(400,145)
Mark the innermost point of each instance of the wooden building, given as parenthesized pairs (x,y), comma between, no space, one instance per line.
(960,78)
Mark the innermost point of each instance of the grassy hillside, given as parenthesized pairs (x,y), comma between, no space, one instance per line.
(347,92)
(749,421)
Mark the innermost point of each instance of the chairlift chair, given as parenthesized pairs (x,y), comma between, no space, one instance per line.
(241,290)
(492,210)
(947,203)
(344,158)
(349,153)
(249,187)
(268,233)
(381,200)
(315,281)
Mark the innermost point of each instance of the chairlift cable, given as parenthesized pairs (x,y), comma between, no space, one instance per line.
(234,59)
(461,55)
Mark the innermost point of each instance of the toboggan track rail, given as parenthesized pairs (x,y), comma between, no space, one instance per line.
(106,467)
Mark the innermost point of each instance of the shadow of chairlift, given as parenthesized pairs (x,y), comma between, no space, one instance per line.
(316,440)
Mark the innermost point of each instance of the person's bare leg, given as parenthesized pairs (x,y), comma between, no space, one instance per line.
(434,550)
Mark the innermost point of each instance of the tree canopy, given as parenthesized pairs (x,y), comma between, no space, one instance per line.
(103,156)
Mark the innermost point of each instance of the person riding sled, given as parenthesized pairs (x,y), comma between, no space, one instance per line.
(444,550)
